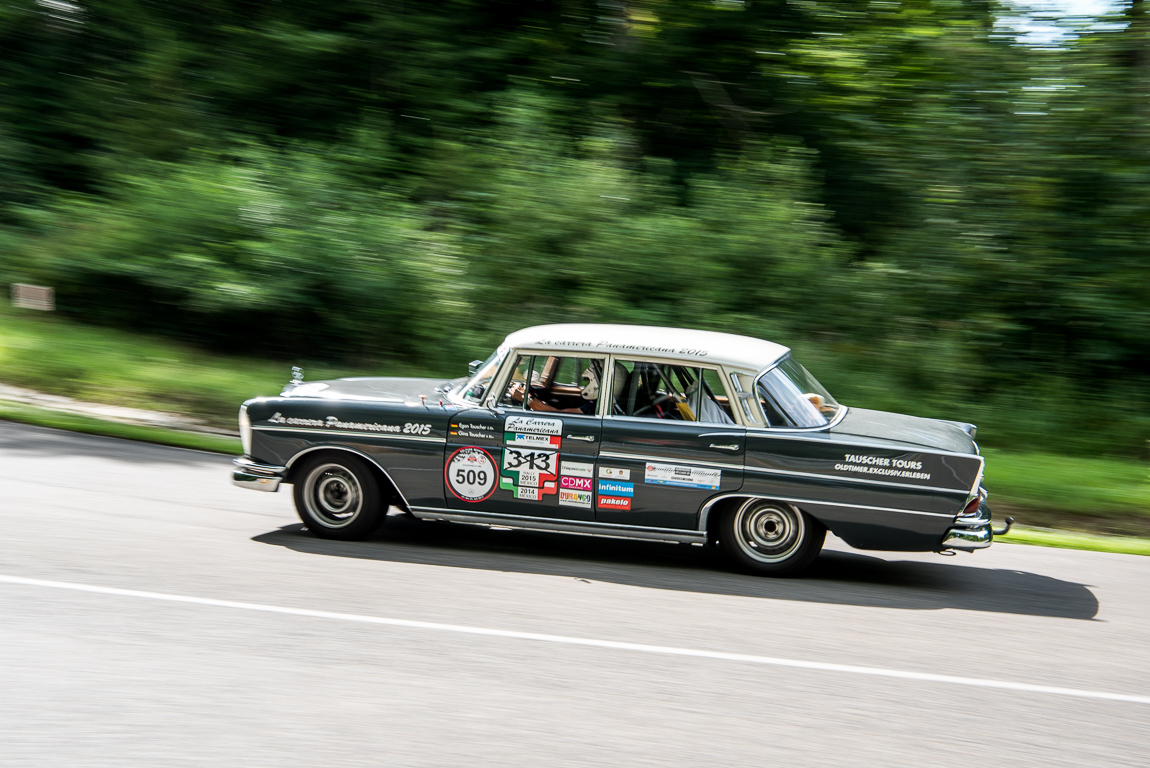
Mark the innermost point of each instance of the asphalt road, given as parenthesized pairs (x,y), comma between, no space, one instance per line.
(300,652)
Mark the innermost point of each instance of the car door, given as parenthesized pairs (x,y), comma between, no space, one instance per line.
(669,444)
(533,452)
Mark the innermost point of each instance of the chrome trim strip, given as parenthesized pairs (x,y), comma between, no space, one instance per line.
(361,454)
(559,526)
(853,480)
(337,433)
(253,467)
(665,460)
(705,511)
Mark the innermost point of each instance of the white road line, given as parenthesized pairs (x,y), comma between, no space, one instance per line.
(820,666)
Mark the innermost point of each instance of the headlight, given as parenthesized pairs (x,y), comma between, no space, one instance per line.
(245,430)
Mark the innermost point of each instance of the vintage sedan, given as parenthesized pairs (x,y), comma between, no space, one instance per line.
(627,431)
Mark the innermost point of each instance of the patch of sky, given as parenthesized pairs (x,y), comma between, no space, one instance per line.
(1052,23)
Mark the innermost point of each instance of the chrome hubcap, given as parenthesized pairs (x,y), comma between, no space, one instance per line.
(333,496)
(768,532)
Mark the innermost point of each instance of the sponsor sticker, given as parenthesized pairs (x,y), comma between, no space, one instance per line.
(611,473)
(576,469)
(614,502)
(572,498)
(686,477)
(578,483)
(533,424)
(531,440)
(613,488)
(471,474)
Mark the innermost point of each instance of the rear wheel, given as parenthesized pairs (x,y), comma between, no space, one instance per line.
(337,496)
(770,538)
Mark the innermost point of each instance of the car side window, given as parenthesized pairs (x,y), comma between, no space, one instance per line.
(667,391)
(555,383)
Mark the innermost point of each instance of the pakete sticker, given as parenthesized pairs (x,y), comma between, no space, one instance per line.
(686,477)
(576,469)
(615,488)
(570,498)
(533,424)
(471,474)
(611,473)
(614,502)
(519,439)
(578,483)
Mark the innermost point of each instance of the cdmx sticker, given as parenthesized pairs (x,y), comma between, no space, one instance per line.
(471,474)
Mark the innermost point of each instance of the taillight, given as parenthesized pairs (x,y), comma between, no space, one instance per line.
(971,508)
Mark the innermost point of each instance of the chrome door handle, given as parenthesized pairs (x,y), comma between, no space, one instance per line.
(726,447)
(584,438)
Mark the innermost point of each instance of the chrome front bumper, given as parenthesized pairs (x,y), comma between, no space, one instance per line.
(257,477)
(973,531)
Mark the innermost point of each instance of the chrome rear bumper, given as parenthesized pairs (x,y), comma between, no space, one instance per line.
(973,531)
(257,477)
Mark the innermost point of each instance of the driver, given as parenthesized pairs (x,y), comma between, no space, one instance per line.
(589,393)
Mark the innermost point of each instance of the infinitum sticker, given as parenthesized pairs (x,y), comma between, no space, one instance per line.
(686,477)
(612,488)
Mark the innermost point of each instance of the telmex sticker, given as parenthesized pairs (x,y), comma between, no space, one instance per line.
(686,477)
(575,469)
(615,474)
(532,441)
(570,498)
(532,424)
(579,483)
(614,502)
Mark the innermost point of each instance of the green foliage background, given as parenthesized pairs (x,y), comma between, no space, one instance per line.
(940,219)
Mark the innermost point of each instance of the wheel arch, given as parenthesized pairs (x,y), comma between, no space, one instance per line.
(712,512)
(386,483)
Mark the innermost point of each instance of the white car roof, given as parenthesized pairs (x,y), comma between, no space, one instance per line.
(650,341)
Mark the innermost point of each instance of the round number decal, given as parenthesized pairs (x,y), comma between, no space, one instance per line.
(471,474)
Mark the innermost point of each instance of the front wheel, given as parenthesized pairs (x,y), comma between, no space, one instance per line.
(770,538)
(338,497)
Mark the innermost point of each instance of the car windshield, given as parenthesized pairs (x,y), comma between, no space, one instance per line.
(792,397)
(476,387)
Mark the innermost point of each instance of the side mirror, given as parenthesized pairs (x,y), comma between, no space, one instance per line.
(473,367)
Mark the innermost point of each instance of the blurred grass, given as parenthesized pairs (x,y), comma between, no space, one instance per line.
(1042,537)
(51,354)
(1074,484)
(77,423)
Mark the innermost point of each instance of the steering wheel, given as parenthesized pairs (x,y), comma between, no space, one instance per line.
(655,403)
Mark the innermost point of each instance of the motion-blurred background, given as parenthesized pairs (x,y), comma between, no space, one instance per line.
(942,204)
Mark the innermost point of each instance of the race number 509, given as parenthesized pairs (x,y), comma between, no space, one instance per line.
(470,474)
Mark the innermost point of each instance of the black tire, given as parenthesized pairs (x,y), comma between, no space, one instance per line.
(337,496)
(770,538)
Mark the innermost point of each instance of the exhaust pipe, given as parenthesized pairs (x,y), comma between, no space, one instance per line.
(1009,524)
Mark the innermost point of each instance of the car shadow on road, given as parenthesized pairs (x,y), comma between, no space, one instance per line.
(846,578)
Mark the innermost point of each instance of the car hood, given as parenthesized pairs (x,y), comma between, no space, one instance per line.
(387,389)
(928,433)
